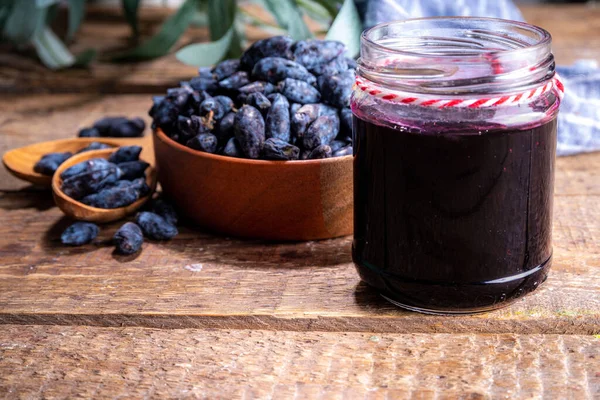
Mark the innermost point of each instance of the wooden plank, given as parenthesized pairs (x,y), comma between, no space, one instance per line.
(201,280)
(106,30)
(88,362)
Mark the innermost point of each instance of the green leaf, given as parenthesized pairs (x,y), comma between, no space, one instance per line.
(330,5)
(347,28)
(205,54)
(24,21)
(200,19)
(221,16)
(53,53)
(315,11)
(169,33)
(249,19)
(52,13)
(85,57)
(76,13)
(289,17)
(45,3)
(130,8)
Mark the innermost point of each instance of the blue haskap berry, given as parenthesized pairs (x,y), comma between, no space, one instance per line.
(304,154)
(278,46)
(322,151)
(125,153)
(321,132)
(192,126)
(85,166)
(49,163)
(163,208)
(213,109)
(235,81)
(79,233)
(333,67)
(314,53)
(112,197)
(180,95)
(94,146)
(277,123)
(128,239)
(196,98)
(249,129)
(122,194)
(201,83)
(233,149)
(336,89)
(306,115)
(104,125)
(277,149)
(225,68)
(344,151)
(85,183)
(351,63)
(206,142)
(265,88)
(133,169)
(258,101)
(224,130)
(89,132)
(226,102)
(346,122)
(338,144)
(205,72)
(294,107)
(164,115)
(131,128)
(275,69)
(155,227)
(156,101)
(298,91)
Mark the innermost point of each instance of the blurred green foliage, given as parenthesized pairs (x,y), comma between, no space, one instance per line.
(27,23)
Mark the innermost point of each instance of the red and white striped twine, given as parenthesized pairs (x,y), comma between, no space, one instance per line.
(524,97)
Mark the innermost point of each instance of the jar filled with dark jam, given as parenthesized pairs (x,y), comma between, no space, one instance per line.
(454,148)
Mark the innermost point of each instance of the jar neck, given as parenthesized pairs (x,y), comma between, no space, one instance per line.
(451,56)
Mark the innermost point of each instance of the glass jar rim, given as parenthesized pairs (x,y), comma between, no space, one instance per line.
(452,55)
(545,37)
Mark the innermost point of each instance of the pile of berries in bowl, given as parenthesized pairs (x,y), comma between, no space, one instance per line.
(261,147)
(282,100)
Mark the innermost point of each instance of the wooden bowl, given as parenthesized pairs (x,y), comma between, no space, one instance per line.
(80,211)
(273,200)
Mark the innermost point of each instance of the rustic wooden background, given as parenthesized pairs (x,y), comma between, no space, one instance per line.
(217,317)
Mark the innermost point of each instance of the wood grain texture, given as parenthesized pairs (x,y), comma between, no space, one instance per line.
(87,362)
(106,30)
(203,280)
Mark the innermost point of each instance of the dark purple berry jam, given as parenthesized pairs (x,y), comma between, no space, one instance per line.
(453,220)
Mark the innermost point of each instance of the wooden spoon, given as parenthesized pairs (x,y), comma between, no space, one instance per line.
(80,211)
(20,161)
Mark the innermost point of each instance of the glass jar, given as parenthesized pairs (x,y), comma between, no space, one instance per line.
(454,144)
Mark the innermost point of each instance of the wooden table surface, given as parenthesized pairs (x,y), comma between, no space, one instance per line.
(216,317)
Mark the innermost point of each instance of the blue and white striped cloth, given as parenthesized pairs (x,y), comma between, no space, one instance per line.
(579,116)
